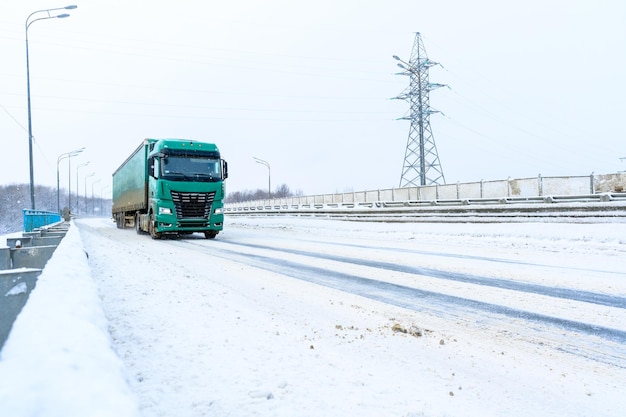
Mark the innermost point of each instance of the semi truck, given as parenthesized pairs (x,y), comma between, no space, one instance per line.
(171,187)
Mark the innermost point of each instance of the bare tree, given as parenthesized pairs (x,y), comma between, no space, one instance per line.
(281,191)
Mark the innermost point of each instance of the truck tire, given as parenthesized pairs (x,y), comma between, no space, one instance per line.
(119,219)
(137,225)
(152,227)
(210,235)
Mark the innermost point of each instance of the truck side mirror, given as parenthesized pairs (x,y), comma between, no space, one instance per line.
(152,171)
(224,169)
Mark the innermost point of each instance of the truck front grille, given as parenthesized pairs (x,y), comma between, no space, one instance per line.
(192,205)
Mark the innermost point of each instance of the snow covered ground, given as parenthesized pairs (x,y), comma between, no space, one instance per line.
(208,327)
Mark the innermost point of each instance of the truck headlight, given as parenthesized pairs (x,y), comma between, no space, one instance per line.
(165,210)
(219,210)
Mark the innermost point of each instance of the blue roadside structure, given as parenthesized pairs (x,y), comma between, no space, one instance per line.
(34,219)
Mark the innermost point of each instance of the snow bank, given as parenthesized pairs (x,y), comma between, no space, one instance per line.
(58,359)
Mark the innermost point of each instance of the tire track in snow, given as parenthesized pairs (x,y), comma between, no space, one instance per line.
(565,293)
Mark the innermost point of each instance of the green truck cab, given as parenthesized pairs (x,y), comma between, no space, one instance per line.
(171,187)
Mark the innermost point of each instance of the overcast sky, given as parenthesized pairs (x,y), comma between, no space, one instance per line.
(536,87)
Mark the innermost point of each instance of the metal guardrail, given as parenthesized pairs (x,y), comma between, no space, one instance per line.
(21,263)
(576,208)
(589,198)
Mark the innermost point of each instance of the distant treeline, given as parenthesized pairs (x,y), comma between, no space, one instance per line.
(249,195)
(15,197)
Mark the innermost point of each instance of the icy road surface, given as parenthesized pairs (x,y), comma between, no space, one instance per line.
(305,317)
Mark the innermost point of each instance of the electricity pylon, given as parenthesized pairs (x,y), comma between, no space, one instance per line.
(421,161)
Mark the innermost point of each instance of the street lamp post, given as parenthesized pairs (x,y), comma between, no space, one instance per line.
(87,176)
(30,125)
(69,180)
(102,197)
(59,159)
(77,193)
(269,175)
(93,202)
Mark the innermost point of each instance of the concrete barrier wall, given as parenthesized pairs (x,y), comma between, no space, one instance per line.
(21,263)
(427,192)
(5,258)
(47,240)
(567,185)
(31,257)
(523,187)
(470,190)
(15,286)
(402,194)
(447,192)
(494,189)
(14,242)
(611,183)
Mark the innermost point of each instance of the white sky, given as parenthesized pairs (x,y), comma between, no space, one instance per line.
(536,87)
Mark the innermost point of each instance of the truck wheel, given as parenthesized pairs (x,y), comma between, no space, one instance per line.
(137,225)
(119,220)
(152,227)
(210,235)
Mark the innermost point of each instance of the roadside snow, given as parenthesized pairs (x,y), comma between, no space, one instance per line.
(58,360)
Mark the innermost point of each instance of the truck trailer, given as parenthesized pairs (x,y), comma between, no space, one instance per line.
(171,187)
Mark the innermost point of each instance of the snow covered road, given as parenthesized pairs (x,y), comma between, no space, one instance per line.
(293,316)
(402,293)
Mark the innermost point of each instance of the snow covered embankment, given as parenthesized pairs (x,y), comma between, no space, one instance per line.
(58,359)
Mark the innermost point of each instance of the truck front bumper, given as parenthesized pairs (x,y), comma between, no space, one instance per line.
(170,224)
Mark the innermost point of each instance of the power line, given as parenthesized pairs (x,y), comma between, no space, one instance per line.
(12,117)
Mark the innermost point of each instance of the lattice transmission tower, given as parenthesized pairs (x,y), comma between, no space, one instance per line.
(421,162)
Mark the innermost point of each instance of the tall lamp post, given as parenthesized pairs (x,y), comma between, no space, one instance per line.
(59,159)
(93,202)
(77,193)
(269,175)
(69,180)
(87,176)
(30,125)
(102,197)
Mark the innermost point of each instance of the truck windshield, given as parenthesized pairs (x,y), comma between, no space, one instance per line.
(191,168)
